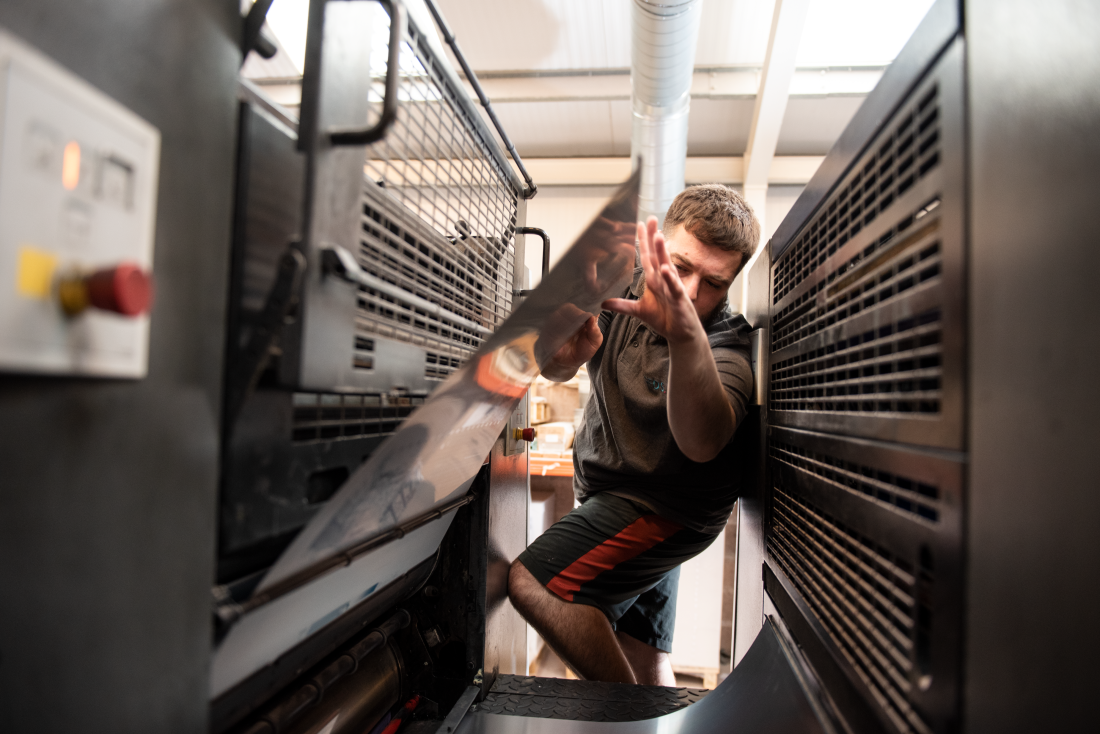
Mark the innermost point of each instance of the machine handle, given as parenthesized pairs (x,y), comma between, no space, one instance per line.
(545,253)
(368,135)
(545,245)
(250,29)
(759,359)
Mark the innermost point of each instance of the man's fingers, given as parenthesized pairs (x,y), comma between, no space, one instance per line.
(643,249)
(591,327)
(652,238)
(621,305)
(660,260)
(588,340)
(672,281)
(660,251)
(649,265)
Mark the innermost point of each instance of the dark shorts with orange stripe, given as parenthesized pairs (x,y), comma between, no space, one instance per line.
(616,555)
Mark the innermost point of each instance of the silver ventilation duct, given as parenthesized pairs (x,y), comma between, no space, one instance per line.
(662,61)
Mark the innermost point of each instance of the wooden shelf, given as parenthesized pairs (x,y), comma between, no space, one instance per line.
(550,464)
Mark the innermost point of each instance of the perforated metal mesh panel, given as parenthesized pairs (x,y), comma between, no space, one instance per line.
(895,368)
(439,217)
(895,491)
(466,281)
(434,159)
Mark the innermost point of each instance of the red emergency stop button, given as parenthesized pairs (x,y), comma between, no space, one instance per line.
(125,289)
(524,434)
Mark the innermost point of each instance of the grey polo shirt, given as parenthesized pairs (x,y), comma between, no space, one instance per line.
(625,444)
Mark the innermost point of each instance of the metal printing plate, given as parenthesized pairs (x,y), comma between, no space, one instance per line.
(436,453)
(438,450)
(581,700)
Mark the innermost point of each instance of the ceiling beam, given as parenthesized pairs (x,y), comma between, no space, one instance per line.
(795,169)
(771,102)
(788,20)
(717,83)
(607,85)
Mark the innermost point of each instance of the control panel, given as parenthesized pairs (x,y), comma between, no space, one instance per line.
(78,189)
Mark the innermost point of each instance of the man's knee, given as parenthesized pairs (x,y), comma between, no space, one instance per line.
(530,598)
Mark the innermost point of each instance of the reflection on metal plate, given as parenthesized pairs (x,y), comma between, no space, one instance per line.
(266,633)
(435,454)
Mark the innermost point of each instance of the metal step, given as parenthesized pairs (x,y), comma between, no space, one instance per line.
(580,700)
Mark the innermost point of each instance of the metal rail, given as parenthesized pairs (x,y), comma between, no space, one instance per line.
(449,37)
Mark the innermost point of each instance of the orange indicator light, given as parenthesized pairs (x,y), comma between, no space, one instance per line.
(70,166)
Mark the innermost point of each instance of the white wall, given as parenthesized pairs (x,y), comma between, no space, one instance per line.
(564,212)
(780,200)
(698,637)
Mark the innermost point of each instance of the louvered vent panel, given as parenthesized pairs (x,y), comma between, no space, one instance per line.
(907,153)
(329,416)
(460,288)
(865,598)
(865,322)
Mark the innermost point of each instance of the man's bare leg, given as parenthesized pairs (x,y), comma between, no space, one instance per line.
(651,666)
(580,635)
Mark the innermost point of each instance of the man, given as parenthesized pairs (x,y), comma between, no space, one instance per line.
(671,377)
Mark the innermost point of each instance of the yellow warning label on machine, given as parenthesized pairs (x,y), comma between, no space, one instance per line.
(35,272)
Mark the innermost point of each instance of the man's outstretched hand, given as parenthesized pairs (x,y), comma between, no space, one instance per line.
(665,306)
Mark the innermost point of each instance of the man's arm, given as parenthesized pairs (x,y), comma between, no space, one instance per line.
(699,412)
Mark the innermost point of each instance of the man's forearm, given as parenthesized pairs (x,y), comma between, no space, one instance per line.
(699,413)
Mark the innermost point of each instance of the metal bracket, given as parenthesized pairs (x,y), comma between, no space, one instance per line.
(282,296)
(459,710)
(252,27)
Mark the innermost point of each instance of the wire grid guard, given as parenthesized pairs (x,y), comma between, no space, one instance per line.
(435,162)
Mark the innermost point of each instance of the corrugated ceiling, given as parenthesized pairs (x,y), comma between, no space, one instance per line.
(548,36)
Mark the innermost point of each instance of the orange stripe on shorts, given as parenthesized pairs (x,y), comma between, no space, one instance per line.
(637,537)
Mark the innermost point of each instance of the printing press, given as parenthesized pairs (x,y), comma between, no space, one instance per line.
(284,496)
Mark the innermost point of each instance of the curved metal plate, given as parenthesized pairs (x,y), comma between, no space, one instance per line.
(438,450)
(436,453)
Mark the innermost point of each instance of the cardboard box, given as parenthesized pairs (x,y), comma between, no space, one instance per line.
(557,436)
(540,410)
(563,398)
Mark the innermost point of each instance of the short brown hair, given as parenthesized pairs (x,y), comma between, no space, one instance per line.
(717,216)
